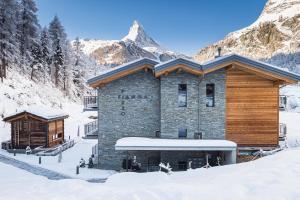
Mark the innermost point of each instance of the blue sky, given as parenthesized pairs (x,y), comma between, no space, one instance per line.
(182,26)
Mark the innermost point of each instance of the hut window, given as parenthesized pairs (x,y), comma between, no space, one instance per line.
(182,133)
(182,95)
(210,95)
(59,135)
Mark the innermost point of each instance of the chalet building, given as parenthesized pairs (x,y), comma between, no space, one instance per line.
(35,130)
(184,113)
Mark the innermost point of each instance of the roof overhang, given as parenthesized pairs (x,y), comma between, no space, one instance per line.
(180,64)
(158,144)
(252,66)
(262,69)
(121,71)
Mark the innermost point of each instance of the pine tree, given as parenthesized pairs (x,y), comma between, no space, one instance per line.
(28,27)
(58,62)
(58,39)
(78,51)
(46,52)
(8,45)
(37,62)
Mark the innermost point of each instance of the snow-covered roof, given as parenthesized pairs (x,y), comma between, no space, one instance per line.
(43,113)
(142,143)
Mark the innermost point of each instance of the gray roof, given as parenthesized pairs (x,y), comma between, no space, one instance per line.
(121,68)
(254,63)
(197,66)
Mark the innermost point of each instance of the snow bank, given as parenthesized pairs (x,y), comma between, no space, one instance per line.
(159,142)
(274,177)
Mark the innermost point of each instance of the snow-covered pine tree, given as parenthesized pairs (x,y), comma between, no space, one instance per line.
(28,28)
(37,62)
(8,45)
(58,39)
(77,50)
(58,62)
(69,62)
(46,52)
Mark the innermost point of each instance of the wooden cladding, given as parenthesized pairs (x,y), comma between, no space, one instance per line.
(251,109)
(56,132)
(29,131)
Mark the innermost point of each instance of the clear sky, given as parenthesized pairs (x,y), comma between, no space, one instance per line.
(182,26)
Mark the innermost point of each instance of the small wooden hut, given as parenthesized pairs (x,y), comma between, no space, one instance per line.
(36,130)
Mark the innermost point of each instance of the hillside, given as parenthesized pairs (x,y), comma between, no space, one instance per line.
(273,37)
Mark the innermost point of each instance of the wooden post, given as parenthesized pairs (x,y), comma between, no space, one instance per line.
(77,169)
(40,160)
(127,161)
(14,152)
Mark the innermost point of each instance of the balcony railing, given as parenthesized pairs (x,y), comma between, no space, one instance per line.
(90,103)
(282,131)
(282,102)
(91,129)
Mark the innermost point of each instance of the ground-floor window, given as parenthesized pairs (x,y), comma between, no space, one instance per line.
(182,133)
(182,165)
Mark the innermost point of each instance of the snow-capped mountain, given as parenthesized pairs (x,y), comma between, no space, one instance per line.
(138,35)
(273,37)
(136,44)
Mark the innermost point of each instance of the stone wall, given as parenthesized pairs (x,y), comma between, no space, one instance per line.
(211,120)
(127,107)
(139,104)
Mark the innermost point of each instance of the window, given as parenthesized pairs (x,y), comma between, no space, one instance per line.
(210,95)
(182,95)
(182,165)
(198,135)
(182,132)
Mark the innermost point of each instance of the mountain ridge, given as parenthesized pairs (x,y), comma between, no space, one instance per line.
(136,44)
(273,36)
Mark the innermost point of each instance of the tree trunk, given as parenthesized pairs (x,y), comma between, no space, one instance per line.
(32,72)
(56,75)
(4,67)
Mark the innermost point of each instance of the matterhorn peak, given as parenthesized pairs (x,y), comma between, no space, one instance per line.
(138,35)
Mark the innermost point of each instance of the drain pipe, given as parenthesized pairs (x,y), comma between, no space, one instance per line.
(201,77)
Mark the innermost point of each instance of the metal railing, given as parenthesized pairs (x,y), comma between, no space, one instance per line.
(90,102)
(91,128)
(282,102)
(56,150)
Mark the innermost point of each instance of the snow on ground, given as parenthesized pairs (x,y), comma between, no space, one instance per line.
(21,93)
(70,159)
(273,177)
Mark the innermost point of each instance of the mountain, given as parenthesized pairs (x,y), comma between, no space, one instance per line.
(136,44)
(274,37)
(138,35)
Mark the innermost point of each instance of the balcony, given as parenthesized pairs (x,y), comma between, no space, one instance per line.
(282,132)
(91,130)
(282,102)
(90,103)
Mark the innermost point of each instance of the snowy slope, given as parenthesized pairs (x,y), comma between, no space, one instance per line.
(275,177)
(18,92)
(273,37)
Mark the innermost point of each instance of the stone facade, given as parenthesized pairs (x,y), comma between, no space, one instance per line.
(196,117)
(127,107)
(140,104)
